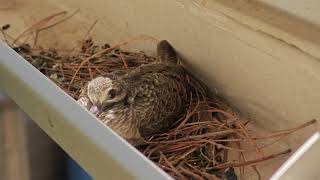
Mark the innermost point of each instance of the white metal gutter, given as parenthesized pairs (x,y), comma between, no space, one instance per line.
(103,153)
(303,164)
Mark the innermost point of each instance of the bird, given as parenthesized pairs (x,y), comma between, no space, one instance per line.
(140,103)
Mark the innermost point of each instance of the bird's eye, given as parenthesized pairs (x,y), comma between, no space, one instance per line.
(112,93)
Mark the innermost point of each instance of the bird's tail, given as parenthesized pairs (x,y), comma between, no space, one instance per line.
(166,52)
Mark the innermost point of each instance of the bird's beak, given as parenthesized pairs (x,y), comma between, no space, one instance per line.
(94,110)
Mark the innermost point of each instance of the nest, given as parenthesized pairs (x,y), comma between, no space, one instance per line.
(206,143)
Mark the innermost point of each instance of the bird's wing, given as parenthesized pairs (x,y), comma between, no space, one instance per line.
(115,75)
(159,100)
(170,69)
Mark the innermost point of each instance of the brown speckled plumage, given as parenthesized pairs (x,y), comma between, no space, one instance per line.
(142,102)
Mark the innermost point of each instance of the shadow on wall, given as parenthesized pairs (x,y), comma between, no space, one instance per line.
(75,172)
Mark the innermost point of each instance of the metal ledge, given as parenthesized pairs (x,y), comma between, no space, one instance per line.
(96,147)
(303,164)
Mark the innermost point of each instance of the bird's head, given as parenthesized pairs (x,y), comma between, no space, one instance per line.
(104,92)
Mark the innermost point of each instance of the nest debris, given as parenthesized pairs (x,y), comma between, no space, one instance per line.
(198,146)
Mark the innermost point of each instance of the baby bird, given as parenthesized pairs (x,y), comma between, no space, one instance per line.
(140,103)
